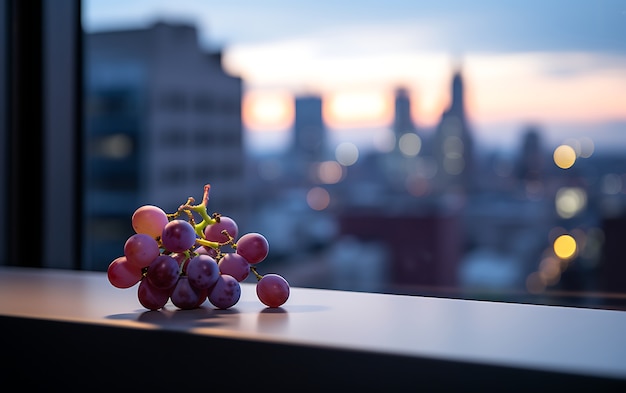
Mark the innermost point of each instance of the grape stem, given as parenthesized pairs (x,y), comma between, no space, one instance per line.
(256,274)
(201,210)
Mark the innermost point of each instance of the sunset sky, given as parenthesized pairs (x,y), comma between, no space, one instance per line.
(544,62)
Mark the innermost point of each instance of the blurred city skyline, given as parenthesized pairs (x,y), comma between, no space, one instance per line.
(562,69)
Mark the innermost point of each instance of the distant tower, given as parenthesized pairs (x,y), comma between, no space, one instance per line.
(403,121)
(530,164)
(309,133)
(453,143)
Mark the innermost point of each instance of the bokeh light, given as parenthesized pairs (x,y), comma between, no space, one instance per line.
(410,144)
(347,153)
(318,198)
(570,201)
(329,172)
(564,156)
(565,246)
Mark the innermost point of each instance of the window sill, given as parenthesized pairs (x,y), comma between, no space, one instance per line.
(72,325)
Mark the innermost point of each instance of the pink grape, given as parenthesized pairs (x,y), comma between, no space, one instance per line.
(272,290)
(150,220)
(253,247)
(214,233)
(163,272)
(202,271)
(178,236)
(151,297)
(225,293)
(123,274)
(185,296)
(235,265)
(140,249)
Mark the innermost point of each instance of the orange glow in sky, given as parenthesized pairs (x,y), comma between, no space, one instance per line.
(267,110)
(354,109)
(497,88)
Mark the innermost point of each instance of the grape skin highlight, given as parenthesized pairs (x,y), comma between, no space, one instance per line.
(253,246)
(150,220)
(123,274)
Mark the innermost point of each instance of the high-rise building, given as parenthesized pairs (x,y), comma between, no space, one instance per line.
(453,144)
(163,119)
(531,160)
(403,120)
(309,134)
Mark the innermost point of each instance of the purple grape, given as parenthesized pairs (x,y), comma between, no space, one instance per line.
(272,290)
(185,296)
(163,272)
(178,236)
(234,265)
(123,274)
(214,233)
(140,249)
(202,271)
(253,246)
(225,293)
(152,297)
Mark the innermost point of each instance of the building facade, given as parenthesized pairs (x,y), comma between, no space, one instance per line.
(163,119)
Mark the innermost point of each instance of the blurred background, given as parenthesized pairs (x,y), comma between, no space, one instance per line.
(460,149)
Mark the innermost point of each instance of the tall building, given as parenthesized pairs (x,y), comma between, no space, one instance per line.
(531,160)
(309,134)
(453,144)
(403,121)
(163,119)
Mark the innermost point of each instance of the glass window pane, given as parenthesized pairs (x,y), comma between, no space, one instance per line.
(470,150)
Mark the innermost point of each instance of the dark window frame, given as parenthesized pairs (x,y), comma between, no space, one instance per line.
(42,133)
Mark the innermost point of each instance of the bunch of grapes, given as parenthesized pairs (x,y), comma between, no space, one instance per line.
(174,258)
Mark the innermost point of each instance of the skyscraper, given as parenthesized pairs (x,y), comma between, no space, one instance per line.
(309,135)
(403,121)
(453,144)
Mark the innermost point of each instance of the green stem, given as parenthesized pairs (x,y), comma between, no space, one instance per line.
(201,210)
(208,243)
(256,274)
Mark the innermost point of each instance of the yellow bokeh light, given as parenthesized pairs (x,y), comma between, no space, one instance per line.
(564,156)
(565,246)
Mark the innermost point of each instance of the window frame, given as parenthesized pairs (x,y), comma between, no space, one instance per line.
(42,133)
